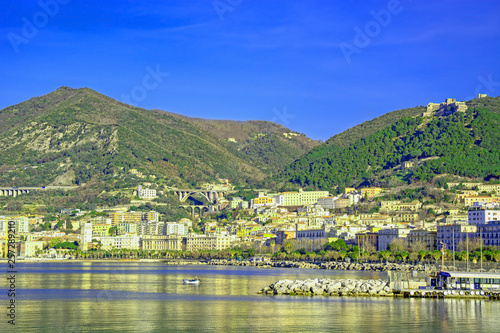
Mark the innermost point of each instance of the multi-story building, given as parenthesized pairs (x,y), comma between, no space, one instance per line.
(120,243)
(363,238)
(327,202)
(284,235)
(452,234)
(161,243)
(407,217)
(100,230)
(204,242)
(489,187)
(145,193)
(125,217)
(175,228)
(482,199)
(371,192)
(480,215)
(407,206)
(309,234)
(261,201)
(342,203)
(151,216)
(127,228)
(133,217)
(386,236)
(21,223)
(489,233)
(299,198)
(85,236)
(425,237)
(100,220)
(28,248)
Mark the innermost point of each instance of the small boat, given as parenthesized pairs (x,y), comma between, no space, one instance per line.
(191,281)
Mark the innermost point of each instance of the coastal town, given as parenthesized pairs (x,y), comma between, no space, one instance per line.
(358,224)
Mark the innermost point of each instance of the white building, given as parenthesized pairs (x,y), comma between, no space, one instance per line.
(175,228)
(85,236)
(145,193)
(386,236)
(120,242)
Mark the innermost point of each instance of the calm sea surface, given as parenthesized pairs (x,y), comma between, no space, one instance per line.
(150,297)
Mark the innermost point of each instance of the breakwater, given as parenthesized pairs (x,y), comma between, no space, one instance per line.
(329,287)
(336,265)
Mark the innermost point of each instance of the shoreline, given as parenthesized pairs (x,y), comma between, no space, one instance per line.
(331,265)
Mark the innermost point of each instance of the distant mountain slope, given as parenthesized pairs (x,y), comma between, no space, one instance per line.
(369,127)
(460,144)
(71,135)
(266,145)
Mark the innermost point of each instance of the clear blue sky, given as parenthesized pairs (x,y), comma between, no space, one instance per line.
(303,64)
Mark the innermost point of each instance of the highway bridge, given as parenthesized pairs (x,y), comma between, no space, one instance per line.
(15,191)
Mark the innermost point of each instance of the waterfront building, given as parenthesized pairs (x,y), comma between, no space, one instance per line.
(386,236)
(309,234)
(85,236)
(452,234)
(161,243)
(120,243)
(425,237)
(489,233)
(204,242)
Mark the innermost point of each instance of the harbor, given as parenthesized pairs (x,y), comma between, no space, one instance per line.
(444,284)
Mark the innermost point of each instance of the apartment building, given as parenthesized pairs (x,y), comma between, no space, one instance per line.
(452,234)
(386,236)
(480,215)
(425,237)
(204,242)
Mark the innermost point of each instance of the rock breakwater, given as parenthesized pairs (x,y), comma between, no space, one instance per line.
(329,287)
(377,267)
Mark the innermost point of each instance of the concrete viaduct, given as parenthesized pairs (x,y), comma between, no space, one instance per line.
(199,208)
(15,191)
(211,195)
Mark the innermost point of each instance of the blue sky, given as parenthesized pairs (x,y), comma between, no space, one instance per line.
(317,67)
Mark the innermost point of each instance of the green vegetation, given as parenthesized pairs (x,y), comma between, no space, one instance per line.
(461,144)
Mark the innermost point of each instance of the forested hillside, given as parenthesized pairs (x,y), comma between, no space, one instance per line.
(463,144)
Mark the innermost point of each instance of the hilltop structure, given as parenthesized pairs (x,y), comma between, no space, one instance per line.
(444,109)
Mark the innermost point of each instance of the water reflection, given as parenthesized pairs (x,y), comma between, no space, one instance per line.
(109,297)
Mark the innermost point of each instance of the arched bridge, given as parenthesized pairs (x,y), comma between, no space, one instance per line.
(211,195)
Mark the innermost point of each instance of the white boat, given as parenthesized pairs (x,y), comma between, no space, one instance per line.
(191,281)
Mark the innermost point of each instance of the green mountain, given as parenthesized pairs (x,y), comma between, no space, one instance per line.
(269,146)
(72,135)
(463,144)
